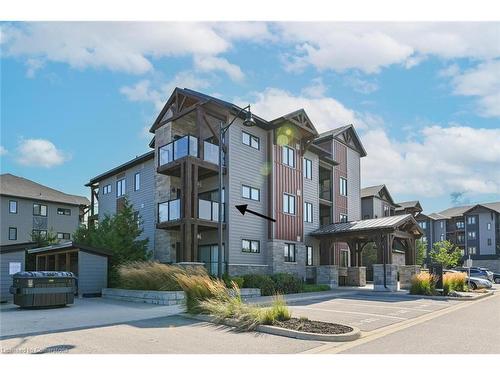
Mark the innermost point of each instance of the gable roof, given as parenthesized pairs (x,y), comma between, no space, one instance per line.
(455,211)
(15,186)
(298,118)
(344,134)
(122,167)
(436,216)
(377,190)
(408,204)
(494,206)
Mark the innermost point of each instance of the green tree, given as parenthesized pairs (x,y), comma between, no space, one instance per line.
(445,253)
(421,249)
(119,234)
(42,240)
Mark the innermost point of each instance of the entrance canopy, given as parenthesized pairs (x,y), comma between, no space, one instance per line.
(384,232)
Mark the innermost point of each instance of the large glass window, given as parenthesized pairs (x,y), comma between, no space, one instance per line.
(12,233)
(250,193)
(137,181)
(308,166)
(13,207)
(39,209)
(250,246)
(308,212)
(289,204)
(309,255)
(120,187)
(289,156)
(289,252)
(343,186)
(170,210)
(250,140)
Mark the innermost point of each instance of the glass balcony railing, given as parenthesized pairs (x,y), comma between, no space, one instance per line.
(209,210)
(211,152)
(187,145)
(169,211)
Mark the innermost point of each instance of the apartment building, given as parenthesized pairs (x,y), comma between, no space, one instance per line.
(281,168)
(28,207)
(376,201)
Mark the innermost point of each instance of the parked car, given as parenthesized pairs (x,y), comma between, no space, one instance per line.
(496,277)
(480,272)
(474,282)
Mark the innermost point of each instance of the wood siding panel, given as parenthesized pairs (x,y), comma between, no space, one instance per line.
(340,203)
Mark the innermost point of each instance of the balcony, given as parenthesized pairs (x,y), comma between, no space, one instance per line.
(169,211)
(187,145)
(209,210)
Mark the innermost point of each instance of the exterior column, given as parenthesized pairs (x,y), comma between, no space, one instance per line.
(391,277)
(406,273)
(328,274)
(356,276)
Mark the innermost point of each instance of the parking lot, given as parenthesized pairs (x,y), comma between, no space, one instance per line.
(368,311)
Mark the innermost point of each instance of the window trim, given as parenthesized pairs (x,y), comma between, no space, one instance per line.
(288,196)
(306,163)
(250,189)
(341,216)
(341,186)
(306,212)
(251,137)
(63,236)
(309,250)
(123,190)
(63,210)
(250,248)
(106,189)
(40,206)
(15,236)
(286,255)
(10,202)
(288,149)
(137,182)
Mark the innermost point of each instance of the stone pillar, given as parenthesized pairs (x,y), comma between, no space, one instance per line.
(405,275)
(356,276)
(391,273)
(328,274)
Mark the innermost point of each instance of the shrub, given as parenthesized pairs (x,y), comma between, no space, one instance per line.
(306,288)
(263,282)
(424,283)
(238,280)
(286,283)
(454,281)
(148,276)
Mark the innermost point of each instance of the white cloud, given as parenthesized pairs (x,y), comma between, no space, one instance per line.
(483,82)
(316,89)
(212,63)
(33,65)
(439,161)
(360,85)
(39,153)
(326,113)
(3,151)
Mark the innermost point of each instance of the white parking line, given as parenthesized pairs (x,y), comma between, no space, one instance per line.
(382,306)
(348,312)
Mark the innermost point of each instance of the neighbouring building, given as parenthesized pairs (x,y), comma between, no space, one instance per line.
(409,207)
(376,201)
(28,207)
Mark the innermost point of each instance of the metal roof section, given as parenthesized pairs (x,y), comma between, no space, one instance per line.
(436,216)
(456,211)
(68,246)
(389,222)
(15,186)
(400,206)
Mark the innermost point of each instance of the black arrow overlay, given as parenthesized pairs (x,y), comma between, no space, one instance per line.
(244,208)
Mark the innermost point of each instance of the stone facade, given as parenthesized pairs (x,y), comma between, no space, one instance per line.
(356,276)
(311,273)
(276,258)
(391,273)
(398,258)
(405,275)
(246,269)
(328,275)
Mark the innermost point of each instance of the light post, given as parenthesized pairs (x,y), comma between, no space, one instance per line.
(248,122)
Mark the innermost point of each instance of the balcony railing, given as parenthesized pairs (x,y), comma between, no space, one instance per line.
(209,210)
(187,145)
(211,152)
(169,211)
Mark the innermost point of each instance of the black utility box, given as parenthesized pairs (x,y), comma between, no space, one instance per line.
(43,288)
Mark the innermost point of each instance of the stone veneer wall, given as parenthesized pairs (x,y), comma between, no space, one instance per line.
(391,277)
(356,276)
(405,275)
(328,275)
(246,269)
(276,258)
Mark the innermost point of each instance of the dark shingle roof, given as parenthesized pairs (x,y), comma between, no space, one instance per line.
(16,186)
(455,211)
(371,191)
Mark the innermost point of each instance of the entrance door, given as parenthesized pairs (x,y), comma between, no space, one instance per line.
(209,255)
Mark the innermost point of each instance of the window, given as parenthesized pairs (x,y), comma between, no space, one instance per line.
(489,241)
(343,218)
(12,233)
(460,225)
(424,239)
(471,220)
(308,169)
(120,187)
(472,250)
(250,193)
(308,212)
(41,234)
(441,224)
(250,246)
(472,235)
(289,204)
(387,210)
(344,258)
(137,181)
(441,238)
(343,186)
(289,156)
(13,207)
(250,140)
(422,224)
(63,236)
(106,189)
(39,209)
(64,211)
(289,252)
(309,255)
(460,238)
(488,226)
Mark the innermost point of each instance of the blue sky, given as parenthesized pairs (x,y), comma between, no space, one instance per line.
(77,99)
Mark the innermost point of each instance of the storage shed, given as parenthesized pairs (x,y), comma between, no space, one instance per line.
(12,260)
(89,264)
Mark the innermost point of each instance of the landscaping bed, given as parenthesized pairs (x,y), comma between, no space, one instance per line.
(313,326)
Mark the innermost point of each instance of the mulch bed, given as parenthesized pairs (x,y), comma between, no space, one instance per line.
(313,326)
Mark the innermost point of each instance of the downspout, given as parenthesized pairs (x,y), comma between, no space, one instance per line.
(384,260)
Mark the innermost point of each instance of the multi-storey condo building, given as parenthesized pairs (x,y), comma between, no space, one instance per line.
(28,207)
(281,168)
(376,201)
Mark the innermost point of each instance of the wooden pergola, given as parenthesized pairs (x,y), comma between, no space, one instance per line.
(384,232)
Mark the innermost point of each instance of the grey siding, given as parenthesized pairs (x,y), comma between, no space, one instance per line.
(367,208)
(24,223)
(92,273)
(5,278)
(246,166)
(439,227)
(353,185)
(483,217)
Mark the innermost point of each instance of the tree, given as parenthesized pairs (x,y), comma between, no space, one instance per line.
(421,249)
(119,234)
(42,240)
(445,253)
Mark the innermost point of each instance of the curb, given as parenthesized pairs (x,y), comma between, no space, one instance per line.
(279,331)
(463,299)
